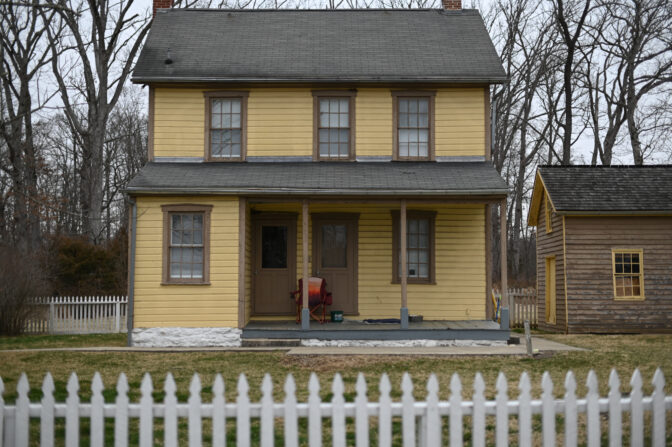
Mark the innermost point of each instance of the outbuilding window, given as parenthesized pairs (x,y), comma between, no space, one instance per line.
(628,266)
(186,244)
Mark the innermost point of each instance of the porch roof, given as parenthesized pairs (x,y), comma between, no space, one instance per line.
(325,179)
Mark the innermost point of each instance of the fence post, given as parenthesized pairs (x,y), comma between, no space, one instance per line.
(117,314)
(52,316)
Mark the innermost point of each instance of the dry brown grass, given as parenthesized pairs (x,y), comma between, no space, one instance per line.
(623,352)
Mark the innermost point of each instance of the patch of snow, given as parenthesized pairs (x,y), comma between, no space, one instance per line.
(163,337)
(399,343)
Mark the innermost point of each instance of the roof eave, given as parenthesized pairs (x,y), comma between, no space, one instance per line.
(341,80)
(613,213)
(136,191)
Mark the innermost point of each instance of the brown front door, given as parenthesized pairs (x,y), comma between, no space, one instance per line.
(274,264)
(335,257)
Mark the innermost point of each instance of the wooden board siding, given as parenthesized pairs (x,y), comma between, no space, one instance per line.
(592,307)
(213,305)
(550,244)
(280,122)
(460,261)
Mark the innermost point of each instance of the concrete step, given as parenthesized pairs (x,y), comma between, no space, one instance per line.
(270,342)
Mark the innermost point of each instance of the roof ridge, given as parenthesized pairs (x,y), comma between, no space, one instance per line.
(606,167)
(169,10)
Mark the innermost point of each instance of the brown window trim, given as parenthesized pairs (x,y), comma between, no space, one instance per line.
(396,242)
(236,94)
(317,95)
(396,94)
(186,208)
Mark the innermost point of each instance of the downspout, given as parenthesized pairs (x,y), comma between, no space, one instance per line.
(131,270)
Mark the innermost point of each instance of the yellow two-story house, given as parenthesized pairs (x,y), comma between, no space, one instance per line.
(349,145)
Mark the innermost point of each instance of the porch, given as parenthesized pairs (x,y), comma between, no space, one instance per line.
(359,330)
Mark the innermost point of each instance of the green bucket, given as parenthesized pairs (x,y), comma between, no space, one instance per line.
(337,316)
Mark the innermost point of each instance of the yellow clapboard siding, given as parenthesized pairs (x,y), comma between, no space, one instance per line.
(214,305)
(280,122)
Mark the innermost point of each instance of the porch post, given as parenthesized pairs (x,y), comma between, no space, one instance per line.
(403,271)
(305,313)
(504,321)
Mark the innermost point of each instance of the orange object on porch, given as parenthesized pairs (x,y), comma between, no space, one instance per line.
(317,297)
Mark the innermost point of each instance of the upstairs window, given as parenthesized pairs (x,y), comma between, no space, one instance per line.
(226,126)
(413,125)
(334,123)
(628,274)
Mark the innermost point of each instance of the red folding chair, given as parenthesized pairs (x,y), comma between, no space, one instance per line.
(317,297)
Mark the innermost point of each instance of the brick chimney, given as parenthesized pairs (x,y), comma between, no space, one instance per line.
(162,4)
(449,5)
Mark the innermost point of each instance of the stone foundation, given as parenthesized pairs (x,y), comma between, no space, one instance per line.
(163,337)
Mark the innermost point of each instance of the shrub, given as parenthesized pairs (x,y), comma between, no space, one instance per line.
(21,278)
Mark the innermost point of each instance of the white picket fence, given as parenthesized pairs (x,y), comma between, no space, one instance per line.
(522,306)
(421,422)
(78,315)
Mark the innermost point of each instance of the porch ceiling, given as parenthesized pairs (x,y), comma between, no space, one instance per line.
(325,179)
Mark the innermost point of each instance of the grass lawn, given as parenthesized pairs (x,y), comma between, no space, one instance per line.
(624,352)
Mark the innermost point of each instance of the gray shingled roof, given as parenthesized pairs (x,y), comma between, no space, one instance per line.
(306,178)
(609,189)
(319,45)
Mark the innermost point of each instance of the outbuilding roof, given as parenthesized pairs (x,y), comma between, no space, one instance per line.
(206,45)
(638,190)
(312,178)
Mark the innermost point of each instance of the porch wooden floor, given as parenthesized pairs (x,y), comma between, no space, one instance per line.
(358,330)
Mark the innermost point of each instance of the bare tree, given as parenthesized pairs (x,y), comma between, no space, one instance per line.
(570,19)
(102,40)
(24,51)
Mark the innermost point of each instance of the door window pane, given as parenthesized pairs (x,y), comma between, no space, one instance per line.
(334,245)
(273,247)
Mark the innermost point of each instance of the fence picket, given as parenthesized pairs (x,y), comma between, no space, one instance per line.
(658,410)
(337,412)
(121,413)
(571,433)
(97,404)
(22,416)
(433,420)
(478,418)
(524,411)
(170,412)
(455,411)
(502,413)
(218,413)
(314,412)
(615,423)
(636,410)
(146,408)
(548,410)
(46,413)
(593,410)
(195,421)
(72,412)
(267,411)
(291,421)
(361,416)
(243,413)
(408,413)
(384,412)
